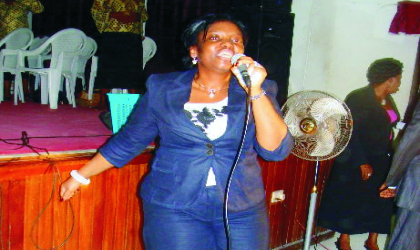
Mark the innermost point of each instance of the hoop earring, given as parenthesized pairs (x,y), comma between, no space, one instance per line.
(194,60)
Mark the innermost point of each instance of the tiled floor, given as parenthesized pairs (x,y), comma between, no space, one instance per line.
(356,242)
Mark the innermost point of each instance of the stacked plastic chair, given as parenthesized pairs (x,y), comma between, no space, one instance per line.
(149,49)
(87,52)
(38,60)
(17,40)
(66,46)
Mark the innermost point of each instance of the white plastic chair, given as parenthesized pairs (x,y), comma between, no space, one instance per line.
(88,50)
(18,39)
(65,48)
(149,49)
(38,60)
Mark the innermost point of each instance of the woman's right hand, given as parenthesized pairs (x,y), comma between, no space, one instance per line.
(366,171)
(69,188)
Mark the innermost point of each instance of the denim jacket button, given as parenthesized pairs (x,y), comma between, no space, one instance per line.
(210,150)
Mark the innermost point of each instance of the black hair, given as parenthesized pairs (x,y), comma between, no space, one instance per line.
(201,24)
(382,69)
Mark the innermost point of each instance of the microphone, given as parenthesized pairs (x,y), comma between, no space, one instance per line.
(243,69)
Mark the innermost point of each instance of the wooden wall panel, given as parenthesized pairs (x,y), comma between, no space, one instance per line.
(288,218)
(107,213)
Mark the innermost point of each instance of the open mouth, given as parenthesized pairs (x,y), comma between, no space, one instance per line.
(225,54)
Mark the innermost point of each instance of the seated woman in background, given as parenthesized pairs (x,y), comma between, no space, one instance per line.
(350,203)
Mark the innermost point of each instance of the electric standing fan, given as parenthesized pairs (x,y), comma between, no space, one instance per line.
(321,126)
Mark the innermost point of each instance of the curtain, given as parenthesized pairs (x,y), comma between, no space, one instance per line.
(62,14)
(407,18)
(166,22)
(407,21)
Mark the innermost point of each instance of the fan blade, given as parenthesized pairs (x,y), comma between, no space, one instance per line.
(325,107)
(324,143)
(292,121)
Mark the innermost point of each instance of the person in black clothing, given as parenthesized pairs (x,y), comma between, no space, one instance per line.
(350,203)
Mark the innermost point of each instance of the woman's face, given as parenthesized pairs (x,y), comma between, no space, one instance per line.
(394,84)
(222,41)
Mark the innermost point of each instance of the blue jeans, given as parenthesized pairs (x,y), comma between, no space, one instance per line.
(202,227)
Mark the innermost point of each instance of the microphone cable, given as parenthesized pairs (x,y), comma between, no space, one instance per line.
(25,143)
(225,202)
(54,182)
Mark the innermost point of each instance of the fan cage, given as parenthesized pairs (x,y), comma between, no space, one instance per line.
(336,122)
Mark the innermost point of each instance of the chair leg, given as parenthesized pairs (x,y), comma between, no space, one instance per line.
(2,87)
(67,82)
(83,82)
(15,92)
(92,76)
(44,89)
(90,88)
(18,89)
(36,85)
(71,88)
(54,80)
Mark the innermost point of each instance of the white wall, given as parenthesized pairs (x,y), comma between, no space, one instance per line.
(335,41)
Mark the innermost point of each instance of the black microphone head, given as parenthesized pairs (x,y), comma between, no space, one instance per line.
(235,58)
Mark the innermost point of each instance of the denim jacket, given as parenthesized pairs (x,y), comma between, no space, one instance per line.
(179,169)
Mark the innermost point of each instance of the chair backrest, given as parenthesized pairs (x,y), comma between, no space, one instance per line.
(18,39)
(89,49)
(149,49)
(36,43)
(15,40)
(67,40)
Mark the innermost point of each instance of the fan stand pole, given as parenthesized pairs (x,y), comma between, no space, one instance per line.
(311,212)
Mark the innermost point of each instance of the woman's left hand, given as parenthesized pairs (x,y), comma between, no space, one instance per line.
(256,72)
(386,192)
(270,127)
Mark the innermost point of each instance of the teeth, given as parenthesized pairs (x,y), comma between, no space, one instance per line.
(226,55)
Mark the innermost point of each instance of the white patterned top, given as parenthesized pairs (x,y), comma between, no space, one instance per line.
(211,118)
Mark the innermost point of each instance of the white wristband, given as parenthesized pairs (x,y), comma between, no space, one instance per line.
(79,178)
